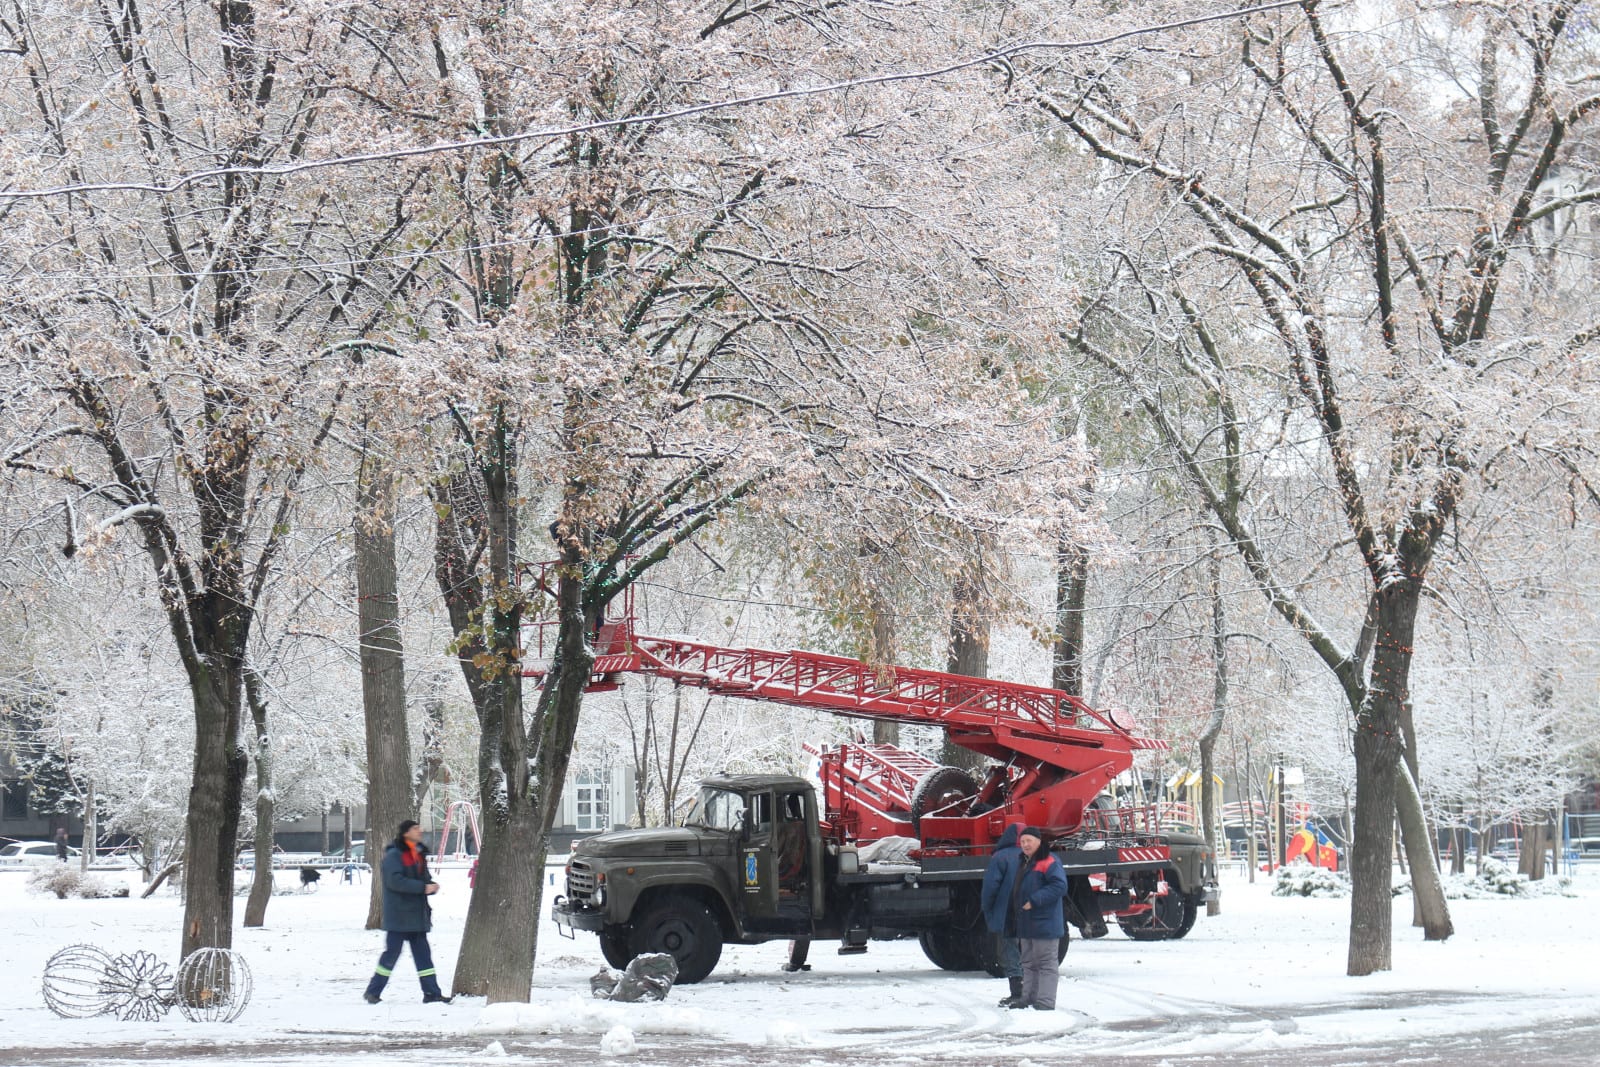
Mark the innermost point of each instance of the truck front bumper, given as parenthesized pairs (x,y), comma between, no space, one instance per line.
(1211,893)
(569,917)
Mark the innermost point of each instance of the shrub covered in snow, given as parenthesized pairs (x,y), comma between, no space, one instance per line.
(1304,880)
(1495,878)
(66,880)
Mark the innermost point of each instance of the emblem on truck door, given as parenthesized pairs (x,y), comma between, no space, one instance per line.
(752,877)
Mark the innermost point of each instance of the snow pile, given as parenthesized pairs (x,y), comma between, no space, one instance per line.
(785,1034)
(1304,880)
(575,1015)
(1496,879)
(493,1050)
(65,880)
(619,1041)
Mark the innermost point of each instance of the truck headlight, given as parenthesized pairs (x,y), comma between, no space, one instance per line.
(599,896)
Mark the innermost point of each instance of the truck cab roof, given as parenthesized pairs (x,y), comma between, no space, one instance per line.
(750,783)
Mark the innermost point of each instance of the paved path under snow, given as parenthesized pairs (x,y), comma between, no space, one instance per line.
(1574,1043)
(1150,1041)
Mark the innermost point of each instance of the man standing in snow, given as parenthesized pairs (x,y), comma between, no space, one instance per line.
(61,843)
(1036,903)
(999,883)
(407,917)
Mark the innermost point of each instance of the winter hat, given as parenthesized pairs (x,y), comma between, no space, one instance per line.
(406,825)
(1034,831)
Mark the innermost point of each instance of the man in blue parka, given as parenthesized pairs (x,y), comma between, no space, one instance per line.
(1036,905)
(407,917)
(999,882)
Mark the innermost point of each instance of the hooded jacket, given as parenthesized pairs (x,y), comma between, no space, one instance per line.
(1042,884)
(999,879)
(405,890)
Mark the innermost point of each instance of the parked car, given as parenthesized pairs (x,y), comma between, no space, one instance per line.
(31,854)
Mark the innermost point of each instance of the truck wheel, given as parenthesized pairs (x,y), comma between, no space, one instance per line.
(975,952)
(986,953)
(938,788)
(614,946)
(951,950)
(1169,918)
(683,928)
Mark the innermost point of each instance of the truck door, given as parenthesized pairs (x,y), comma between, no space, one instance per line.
(758,867)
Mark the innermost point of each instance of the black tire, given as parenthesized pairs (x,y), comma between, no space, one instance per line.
(1169,918)
(938,788)
(985,953)
(684,928)
(614,946)
(952,950)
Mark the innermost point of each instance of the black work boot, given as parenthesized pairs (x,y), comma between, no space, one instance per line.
(1016,994)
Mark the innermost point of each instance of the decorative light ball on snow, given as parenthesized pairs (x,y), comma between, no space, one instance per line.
(214,985)
(75,982)
(139,986)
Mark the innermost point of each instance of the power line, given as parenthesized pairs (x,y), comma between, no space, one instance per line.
(998,56)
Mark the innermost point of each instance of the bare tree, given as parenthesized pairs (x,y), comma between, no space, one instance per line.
(178,356)
(1336,235)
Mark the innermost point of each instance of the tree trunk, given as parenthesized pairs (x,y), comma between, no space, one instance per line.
(498,943)
(500,937)
(883,653)
(91,827)
(216,790)
(968,649)
(556,722)
(1426,886)
(1251,858)
(1219,712)
(255,909)
(383,682)
(1535,842)
(1371,904)
(1072,591)
(1428,907)
(166,872)
(1378,744)
(432,761)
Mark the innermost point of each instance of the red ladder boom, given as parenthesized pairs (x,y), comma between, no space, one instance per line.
(1055,752)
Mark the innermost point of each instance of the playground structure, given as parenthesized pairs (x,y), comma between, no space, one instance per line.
(461,817)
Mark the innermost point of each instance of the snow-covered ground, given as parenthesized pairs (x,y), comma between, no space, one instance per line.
(1263,982)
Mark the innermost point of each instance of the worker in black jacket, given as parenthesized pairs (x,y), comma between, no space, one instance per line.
(407,917)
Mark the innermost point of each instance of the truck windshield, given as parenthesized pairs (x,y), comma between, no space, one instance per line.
(717,809)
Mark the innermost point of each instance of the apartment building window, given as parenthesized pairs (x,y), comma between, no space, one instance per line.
(593,801)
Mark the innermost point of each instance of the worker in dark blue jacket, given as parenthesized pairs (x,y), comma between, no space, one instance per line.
(407,917)
(1036,903)
(999,882)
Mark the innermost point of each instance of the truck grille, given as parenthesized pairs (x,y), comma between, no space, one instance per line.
(580,880)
